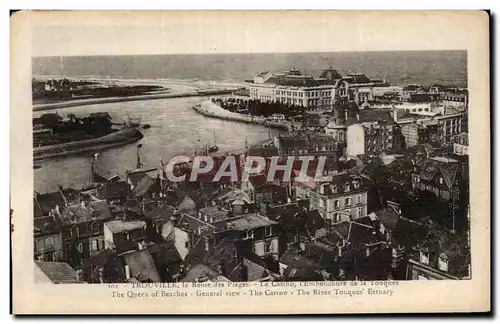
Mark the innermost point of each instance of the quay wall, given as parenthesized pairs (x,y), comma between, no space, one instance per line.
(119,138)
(210,109)
(92,101)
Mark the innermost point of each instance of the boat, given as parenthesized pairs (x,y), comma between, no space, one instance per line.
(213,148)
(146,126)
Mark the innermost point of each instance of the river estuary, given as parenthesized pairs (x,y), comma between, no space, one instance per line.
(175,129)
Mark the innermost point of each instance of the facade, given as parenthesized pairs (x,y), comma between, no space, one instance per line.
(325,92)
(342,198)
(252,233)
(422,270)
(124,236)
(455,99)
(355,140)
(82,230)
(461,144)
(48,239)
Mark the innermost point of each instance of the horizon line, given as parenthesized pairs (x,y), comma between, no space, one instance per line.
(251,53)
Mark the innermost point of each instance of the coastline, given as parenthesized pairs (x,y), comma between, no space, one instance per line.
(92,101)
(119,138)
(210,109)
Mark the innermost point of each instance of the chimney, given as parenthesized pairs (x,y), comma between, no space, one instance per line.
(127,272)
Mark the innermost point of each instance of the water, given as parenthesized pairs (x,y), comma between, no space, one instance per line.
(175,129)
(398,67)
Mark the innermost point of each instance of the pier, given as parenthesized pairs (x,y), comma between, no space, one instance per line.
(209,109)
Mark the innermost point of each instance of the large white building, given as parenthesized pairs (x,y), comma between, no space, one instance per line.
(294,88)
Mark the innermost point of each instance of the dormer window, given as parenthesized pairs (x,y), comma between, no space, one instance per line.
(248,235)
(424,257)
(443,264)
(347,187)
(269,231)
(75,232)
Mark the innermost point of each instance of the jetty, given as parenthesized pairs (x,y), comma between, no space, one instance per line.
(119,138)
(93,101)
(210,109)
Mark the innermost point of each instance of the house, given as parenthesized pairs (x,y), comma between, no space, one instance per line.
(341,198)
(444,178)
(140,265)
(147,187)
(51,202)
(124,236)
(461,144)
(113,191)
(82,230)
(253,232)
(105,266)
(56,273)
(444,255)
(262,192)
(155,218)
(48,243)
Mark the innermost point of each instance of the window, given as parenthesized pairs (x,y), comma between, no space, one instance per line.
(249,235)
(443,264)
(424,257)
(336,217)
(358,199)
(49,243)
(268,231)
(75,232)
(96,228)
(347,201)
(360,211)
(94,246)
(79,247)
(186,245)
(101,244)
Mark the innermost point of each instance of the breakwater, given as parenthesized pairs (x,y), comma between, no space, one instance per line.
(210,109)
(119,138)
(92,101)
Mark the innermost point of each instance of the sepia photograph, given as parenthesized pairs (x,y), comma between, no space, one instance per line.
(275,172)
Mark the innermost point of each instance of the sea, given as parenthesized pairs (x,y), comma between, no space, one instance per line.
(397,67)
(177,129)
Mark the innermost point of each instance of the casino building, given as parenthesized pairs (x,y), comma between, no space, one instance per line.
(294,88)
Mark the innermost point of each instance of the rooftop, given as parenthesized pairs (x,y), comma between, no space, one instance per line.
(58,272)
(122,226)
(244,223)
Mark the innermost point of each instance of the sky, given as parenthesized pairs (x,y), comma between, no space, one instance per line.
(196,32)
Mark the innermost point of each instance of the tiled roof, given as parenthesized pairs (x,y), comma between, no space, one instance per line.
(163,212)
(198,271)
(135,177)
(46,225)
(244,223)
(388,217)
(342,229)
(145,185)
(113,190)
(215,213)
(48,201)
(80,214)
(121,226)
(142,266)
(58,272)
